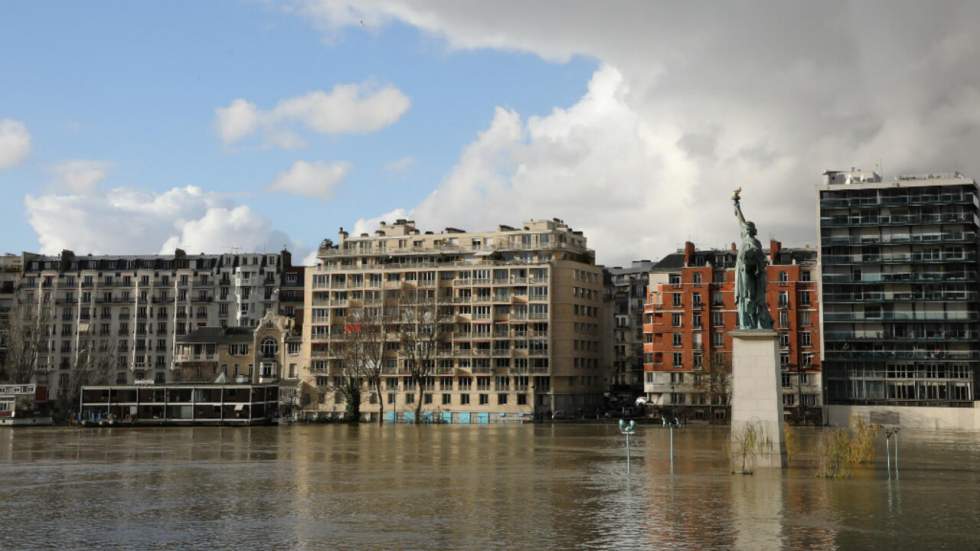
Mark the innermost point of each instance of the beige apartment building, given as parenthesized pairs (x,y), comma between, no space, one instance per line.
(267,353)
(523,310)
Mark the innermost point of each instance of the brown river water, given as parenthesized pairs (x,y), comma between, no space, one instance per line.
(466,487)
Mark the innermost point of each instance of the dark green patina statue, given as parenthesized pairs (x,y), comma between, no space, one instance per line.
(750,276)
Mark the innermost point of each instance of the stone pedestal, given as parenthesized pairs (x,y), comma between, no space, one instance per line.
(757,397)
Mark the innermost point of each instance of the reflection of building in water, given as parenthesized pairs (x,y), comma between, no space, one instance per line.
(520,309)
(690,312)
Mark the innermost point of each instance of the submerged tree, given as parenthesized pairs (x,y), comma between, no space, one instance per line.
(423,330)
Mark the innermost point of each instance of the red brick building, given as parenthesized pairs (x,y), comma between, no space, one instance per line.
(690,310)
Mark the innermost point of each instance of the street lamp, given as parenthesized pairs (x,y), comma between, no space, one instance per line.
(627,430)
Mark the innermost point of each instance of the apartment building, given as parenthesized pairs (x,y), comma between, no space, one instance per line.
(626,289)
(133,308)
(522,308)
(690,312)
(11,267)
(900,304)
(267,353)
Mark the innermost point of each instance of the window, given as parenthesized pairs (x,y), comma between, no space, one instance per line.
(717,319)
(805,319)
(784,340)
(805,339)
(696,299)
(718,338)
(410,398)
(697,278)
(522,399)
(484,399)
(783,318)
(502,399)
(674,279)
(676,319)
(677,339)
(805,275)
(696,321)
(447,399)
(805,298)
(269,347)
(783,299)
(464,399)
(676,299)
(678,359)
(783,277)
(427,398)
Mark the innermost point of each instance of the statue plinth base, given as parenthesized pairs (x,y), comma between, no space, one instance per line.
(757,398)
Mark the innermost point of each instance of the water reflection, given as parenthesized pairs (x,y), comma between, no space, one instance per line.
(543,486)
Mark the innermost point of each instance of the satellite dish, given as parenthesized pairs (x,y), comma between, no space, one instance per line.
(641,401)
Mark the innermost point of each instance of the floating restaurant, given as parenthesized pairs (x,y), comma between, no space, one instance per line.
(180,404)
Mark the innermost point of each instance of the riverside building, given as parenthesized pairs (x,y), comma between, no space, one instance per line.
(130,310)
(627,291)
(522,308)
(690,312)
(900,304)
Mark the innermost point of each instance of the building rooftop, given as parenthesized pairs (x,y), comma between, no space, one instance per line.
(217,335)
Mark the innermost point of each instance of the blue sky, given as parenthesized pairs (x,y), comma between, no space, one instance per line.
(635,119)
(136,84)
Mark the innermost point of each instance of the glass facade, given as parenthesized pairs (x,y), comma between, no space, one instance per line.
(899,277)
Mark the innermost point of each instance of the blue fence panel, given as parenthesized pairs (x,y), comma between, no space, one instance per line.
(427,417)
(463,418)
(408,417)
(483,418)
(390,417)
(447,417)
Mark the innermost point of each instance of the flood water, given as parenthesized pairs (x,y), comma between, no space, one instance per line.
(465,487)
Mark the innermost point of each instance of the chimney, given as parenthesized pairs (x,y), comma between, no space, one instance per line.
(774,248)
(734,248)
(688,252)
(342,236)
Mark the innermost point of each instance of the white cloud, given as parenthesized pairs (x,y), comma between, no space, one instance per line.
(79,176)
(15,142)
(400,166)
(236,121)
(346,109)
(128,221)
(693,100)
(311,179)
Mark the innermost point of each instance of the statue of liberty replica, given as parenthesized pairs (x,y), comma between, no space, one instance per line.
(757,404)
(750,276)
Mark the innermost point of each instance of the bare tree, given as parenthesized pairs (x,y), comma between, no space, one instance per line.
(28,329)
(348,381)
(422,332)
(95,364)
(715,381)
(374,327)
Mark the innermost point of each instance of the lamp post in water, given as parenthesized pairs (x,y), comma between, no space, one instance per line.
(627,430)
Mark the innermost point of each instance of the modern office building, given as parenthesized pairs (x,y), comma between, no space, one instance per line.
(132,309)
(900,305)
(690,312)
(626,289)
(520,309)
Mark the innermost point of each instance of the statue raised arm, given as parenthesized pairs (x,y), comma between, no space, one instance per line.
(737,199)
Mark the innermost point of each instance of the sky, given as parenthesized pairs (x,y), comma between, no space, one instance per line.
(139,127)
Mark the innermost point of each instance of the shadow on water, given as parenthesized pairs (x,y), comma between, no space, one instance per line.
(450,486)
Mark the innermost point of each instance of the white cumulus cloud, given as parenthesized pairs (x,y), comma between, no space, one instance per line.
(128,221)
(311,179)
(15,142)
(79,175)
(345,109)
(693,100)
